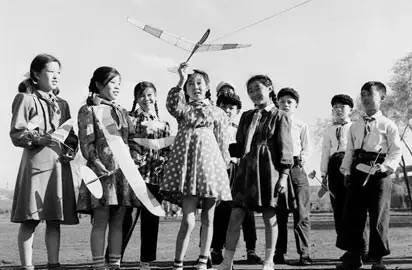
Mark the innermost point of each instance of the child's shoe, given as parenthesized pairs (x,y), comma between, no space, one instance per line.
(305,260)
(202,263)
(217,256)
(26,267)
(252,257)
(279,258)
(268,265)
(378,265)
(54,266)
(144,266)
(177,265)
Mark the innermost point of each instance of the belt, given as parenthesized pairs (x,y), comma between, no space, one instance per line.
(297,161)
(368,156)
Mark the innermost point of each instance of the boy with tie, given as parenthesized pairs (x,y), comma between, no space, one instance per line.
(333,149)
(373,140)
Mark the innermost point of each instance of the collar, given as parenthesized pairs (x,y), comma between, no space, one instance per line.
(200,102)
(375,116)
(342,123)
(147,114)
(46,95)
(267,108)
(108,102)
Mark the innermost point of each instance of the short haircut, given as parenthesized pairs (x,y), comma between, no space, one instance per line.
(380,87)
(342,99)
(287,91)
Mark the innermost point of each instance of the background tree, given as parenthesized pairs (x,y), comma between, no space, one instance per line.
(398,104)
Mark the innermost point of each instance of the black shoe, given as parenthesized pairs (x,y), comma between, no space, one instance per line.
(216,256)
(366,258)
(209,263)
(350,262)
(344,256)
(305,260)
(253,258)
(348,266)
(279,258)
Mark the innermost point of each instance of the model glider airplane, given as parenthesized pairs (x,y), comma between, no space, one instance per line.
(183,43)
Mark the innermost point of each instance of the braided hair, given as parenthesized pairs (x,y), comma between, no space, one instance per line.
(138,91)
(266,81)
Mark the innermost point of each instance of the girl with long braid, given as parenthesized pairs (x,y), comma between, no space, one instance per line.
(109,211)
(146,124)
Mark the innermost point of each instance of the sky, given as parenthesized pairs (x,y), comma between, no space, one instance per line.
(322,48)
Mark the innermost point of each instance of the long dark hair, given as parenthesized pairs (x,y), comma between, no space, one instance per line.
(102,75)
(266,81)
(138,90)
(205,76)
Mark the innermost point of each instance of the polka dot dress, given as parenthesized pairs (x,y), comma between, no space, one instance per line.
(198,161)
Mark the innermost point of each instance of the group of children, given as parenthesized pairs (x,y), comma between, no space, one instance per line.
(227,169)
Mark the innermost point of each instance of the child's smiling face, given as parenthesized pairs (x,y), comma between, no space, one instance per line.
(147,99)
(111,90)
(196,87)
(258,92)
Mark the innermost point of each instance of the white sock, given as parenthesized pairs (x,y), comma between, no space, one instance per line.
(228,256)
(269,255)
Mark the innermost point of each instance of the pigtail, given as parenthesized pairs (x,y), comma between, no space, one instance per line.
(208,95)
(156,109)
(275,101)
(134,105)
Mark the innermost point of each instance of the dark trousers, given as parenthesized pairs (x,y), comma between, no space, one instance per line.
(336,186)
(373,199)
(149,227)
(221,222)
(301,215)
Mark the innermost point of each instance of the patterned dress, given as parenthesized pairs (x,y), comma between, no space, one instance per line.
(150,162)
(44,186)
(199,158)
(271,153)
(93,145)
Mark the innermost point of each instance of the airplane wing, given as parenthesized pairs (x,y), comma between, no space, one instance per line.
(220,47)
(181,42)
(172,39)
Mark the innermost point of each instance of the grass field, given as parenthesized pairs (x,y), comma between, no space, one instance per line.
(75,251)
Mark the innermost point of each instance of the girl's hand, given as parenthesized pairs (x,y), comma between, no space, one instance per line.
(281,185)
(100,168)
(182,74)
(43,140)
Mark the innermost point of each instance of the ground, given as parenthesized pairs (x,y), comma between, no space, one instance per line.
(75,251)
